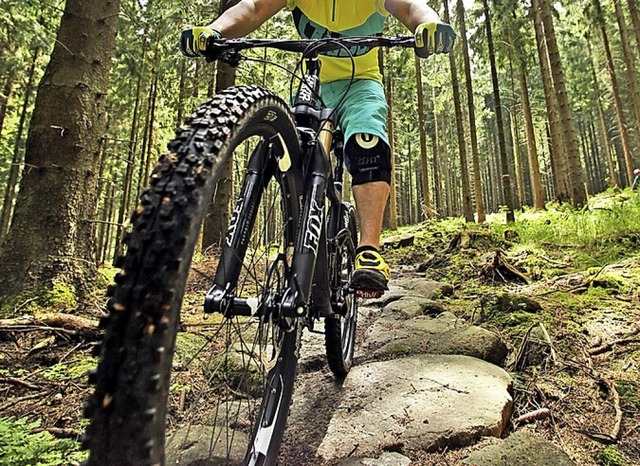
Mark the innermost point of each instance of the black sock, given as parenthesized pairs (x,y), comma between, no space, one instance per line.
(366,248)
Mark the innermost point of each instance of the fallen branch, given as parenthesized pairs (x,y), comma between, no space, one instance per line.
(15,401)
(609,346)
(615,434)
(628,338)
(497,263)
(66,323)
(531,416)
(58,432)
(552,350)
(22,383)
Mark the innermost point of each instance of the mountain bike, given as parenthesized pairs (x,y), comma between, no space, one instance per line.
(285,265)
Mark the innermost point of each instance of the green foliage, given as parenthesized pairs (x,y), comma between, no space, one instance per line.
(629,392)
(75,370)
(606,230)
(611,456)
(20,447)
(61,296)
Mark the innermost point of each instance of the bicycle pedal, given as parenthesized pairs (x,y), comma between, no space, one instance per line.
(369,294)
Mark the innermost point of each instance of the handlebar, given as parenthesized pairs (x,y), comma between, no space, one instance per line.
(218,47)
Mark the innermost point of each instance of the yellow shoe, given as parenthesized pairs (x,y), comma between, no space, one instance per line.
(372,272)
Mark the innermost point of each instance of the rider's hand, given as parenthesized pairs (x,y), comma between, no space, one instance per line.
(434,37)
(193,41)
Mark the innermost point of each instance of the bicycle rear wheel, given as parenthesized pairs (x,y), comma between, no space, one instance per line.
(234,376)
(340,332)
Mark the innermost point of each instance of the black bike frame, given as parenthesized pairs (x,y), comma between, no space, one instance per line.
(308,273)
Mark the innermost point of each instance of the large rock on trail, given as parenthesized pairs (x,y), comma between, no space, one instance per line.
(522,448)
(394,335)
(420,402)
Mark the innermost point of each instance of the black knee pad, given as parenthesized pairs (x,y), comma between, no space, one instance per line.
(368,159)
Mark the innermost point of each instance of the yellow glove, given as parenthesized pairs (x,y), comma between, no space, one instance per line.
(193,41)
(436,37)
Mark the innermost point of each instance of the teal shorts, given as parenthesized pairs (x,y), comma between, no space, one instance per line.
(363,110)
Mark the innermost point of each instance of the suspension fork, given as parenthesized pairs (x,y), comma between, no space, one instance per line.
(311,242)
(260,168)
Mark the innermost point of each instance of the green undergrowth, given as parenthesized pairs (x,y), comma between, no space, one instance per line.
(542,244)
(22,444)
(604,231)
(611,456)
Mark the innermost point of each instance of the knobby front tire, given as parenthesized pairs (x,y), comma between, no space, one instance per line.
(242,362)
(340,332)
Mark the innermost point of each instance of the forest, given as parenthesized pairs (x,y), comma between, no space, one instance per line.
(514,159)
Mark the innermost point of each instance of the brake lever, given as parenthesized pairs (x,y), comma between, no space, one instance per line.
(230,57)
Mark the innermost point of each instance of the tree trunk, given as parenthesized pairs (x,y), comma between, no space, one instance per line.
(424,171)
(635,20)
(557,147)
(391,213)
(16,160)
(536,179)
(516,157)
(132,147)
(218,214)
(467,206)
(4,101)
(602,126)
(532,149)
(630,68)
(50,240)
(473,132)
(506,182)
(622,127)
(437,171)
(182,92)
(570,137)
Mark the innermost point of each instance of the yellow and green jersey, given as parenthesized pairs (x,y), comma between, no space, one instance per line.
(316,19)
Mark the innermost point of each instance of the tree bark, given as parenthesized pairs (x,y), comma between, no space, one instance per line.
(557,148)
(4,101)
(536,179)
(473,132)
(630,69)
(602,125)
(424,165)
(575,175)
(391,213)
(635,20)
(17,159)
(50,240)
(467,207)
(132,147)
(506,182)
(622,127)
(218,214)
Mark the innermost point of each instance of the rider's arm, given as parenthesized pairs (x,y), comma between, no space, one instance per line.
(246,16)
(411,13)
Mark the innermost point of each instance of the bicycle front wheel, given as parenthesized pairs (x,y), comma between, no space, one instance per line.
(340,332)
(233,375)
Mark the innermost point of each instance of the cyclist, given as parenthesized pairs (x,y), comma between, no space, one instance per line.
(362,114)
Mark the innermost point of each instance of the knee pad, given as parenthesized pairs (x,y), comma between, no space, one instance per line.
(368,158)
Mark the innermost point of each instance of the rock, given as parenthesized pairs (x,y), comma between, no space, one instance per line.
(389,337)
(508,302)
(413,306)
(424,288)
(398,241)
(522,448)
(421,402)
(387,459)
(189,446)
(394,293)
